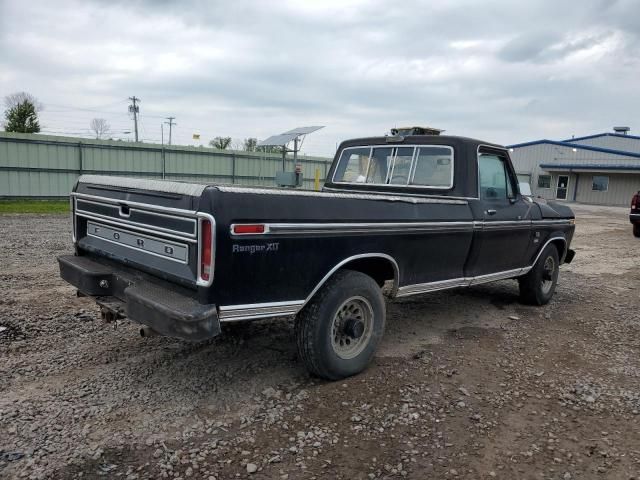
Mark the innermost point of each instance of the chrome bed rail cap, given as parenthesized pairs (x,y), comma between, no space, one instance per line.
(335,194)
(167,186)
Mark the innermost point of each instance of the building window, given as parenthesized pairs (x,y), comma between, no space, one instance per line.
(544,181)
(600,183)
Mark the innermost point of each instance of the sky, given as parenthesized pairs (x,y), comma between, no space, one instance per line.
(498,70)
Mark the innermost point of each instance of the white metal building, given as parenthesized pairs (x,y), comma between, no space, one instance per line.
(601,169)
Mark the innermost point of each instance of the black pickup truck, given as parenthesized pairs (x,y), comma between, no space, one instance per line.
(402,215)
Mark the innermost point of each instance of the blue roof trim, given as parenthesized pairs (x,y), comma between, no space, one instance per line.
(574,145)
(607,134)
(535,142)
(569,166)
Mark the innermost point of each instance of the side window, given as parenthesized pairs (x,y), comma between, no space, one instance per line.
(433,167)
(600,183)
(353,165)
(494,179)
(401,166)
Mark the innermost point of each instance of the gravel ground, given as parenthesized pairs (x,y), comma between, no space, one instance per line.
(468,383)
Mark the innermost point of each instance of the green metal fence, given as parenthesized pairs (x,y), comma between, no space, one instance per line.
(47,166)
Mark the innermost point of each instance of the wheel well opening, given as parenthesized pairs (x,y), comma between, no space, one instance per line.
(378,268)
(561,247)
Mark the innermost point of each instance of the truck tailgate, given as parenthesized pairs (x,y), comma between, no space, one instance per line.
(153,226)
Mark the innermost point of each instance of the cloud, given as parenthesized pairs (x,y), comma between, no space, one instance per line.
(497,70)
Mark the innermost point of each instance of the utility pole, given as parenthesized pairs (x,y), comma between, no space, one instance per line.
(164,161)
(171,124)
(133,108)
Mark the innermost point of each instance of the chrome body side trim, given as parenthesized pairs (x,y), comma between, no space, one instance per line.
(407,290)
(396,272)
(360,227)
(551,221)
(459,282)
(234,313)
(231,313)
(386,227)
(564,254)
(634,215)
(490,277)
(507,224)
(431,286)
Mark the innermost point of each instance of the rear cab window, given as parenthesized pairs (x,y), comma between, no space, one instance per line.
(424,166)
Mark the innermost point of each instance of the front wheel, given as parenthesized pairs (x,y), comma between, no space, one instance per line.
(636,230)
(339,330)
(537,286)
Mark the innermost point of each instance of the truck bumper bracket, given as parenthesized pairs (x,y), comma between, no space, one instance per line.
(173,312)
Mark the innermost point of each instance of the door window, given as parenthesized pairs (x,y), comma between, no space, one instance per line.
(494,180)
(562,186)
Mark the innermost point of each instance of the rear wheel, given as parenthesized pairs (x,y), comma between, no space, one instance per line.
(339,330)
(636,230)
(537,286)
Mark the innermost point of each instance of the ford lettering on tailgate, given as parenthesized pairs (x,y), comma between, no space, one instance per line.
(154,246)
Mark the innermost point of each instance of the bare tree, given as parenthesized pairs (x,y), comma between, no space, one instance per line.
(250,144)
(100,127)
(221,143)
(14,99)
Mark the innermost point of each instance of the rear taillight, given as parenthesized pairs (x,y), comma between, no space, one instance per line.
(248,229)
(635,201)
(206,251)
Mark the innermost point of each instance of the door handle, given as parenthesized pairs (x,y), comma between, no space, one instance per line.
(491,212)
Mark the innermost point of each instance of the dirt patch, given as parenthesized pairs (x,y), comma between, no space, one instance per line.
(467,384)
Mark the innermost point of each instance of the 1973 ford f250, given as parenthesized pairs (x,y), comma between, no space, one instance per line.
(411,214)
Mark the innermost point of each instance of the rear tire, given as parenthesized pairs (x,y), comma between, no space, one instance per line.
(340,328)
(537,286)
(636,230)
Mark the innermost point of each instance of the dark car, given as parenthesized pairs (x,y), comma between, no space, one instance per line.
(410,214)
(634,215)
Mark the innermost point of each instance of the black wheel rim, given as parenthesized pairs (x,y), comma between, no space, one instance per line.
(352,327)
(548,275)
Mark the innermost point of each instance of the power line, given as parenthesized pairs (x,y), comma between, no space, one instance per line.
(97,109)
